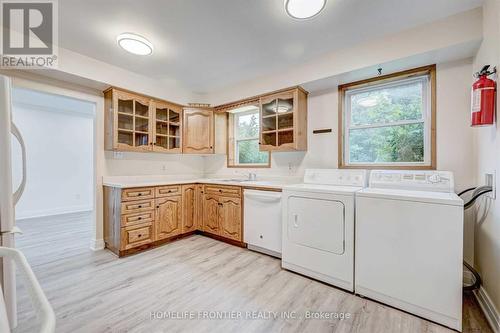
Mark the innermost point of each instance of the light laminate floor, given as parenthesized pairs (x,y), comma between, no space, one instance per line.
(197,276)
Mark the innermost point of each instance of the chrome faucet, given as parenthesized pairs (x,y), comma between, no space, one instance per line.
(252,176)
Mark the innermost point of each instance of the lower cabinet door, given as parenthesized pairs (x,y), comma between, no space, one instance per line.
(199,207)
(189,213)
(168,221)
(211,214)
(230,218)
(136,235)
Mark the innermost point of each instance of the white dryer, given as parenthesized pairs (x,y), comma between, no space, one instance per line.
(409,234)
(318,225)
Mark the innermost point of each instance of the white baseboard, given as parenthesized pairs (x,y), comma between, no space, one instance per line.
(489,309)
(97,244)
(51,212)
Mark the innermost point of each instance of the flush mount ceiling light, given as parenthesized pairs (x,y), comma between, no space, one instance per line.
(134,44)
(304,9)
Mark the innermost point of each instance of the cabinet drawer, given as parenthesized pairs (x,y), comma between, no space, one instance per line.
(166,191)
(134,236)
(137,206)
(233,191)
(138,218)
(138,193)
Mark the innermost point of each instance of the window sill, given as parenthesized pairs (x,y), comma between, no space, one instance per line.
(250,166)
(388,167)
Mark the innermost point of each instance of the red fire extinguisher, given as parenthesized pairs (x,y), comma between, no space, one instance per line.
(483,98)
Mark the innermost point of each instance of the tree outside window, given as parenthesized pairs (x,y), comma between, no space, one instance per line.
(246,139)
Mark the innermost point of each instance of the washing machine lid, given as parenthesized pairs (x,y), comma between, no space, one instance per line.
(445,198)
(321,188)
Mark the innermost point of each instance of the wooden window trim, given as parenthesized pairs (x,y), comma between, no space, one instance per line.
(230,153)
(342,89)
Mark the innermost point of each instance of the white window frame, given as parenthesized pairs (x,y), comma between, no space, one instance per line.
(238,139)
(426,120)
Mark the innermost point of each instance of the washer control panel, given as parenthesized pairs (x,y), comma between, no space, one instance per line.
(433,181)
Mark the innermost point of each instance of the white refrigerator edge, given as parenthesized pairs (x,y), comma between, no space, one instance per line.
(8,197)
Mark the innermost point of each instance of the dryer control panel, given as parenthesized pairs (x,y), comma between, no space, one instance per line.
(338,177)
(432,181)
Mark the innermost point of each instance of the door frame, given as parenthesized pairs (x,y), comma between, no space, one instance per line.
(94,96)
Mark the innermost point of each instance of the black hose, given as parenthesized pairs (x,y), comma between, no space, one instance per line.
(465,191)
(477,193)
(477,278)
(474,198)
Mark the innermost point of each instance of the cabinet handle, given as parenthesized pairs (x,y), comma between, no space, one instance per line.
(139,236)
(139,218)
(139,194)
(157,206)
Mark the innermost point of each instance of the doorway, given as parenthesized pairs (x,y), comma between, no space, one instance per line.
(57,208)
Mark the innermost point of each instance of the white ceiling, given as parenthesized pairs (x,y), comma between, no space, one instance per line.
(208,44)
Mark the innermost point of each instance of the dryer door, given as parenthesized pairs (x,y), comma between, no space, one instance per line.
(317,223)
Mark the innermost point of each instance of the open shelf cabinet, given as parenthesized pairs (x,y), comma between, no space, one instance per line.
(138,123)
(283,120)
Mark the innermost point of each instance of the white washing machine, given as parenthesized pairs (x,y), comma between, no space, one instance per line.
(409,234)
(318,225)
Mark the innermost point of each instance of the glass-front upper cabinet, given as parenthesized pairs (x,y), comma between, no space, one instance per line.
(167,127)
(128,121)
(283,119)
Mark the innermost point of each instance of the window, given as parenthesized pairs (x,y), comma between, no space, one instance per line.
(244,139)
(388,122)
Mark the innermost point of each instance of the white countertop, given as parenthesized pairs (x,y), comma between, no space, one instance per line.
(146,181)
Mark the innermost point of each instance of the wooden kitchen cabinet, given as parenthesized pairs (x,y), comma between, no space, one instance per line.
(137,235)
(211,214)
(283,121)
(168,218)
(199,206)
(222,211)
(230,218)
(128,121)
(198,131)
(189,208)
(139,123)
(139,218)
(167,130)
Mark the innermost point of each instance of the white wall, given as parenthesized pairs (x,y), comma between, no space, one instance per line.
(130,164)
(59,144)
(487,146)
(454,136)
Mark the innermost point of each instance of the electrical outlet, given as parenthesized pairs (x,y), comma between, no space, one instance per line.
(490,179)
(118,155)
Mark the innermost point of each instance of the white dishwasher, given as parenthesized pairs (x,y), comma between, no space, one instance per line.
(262,221)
